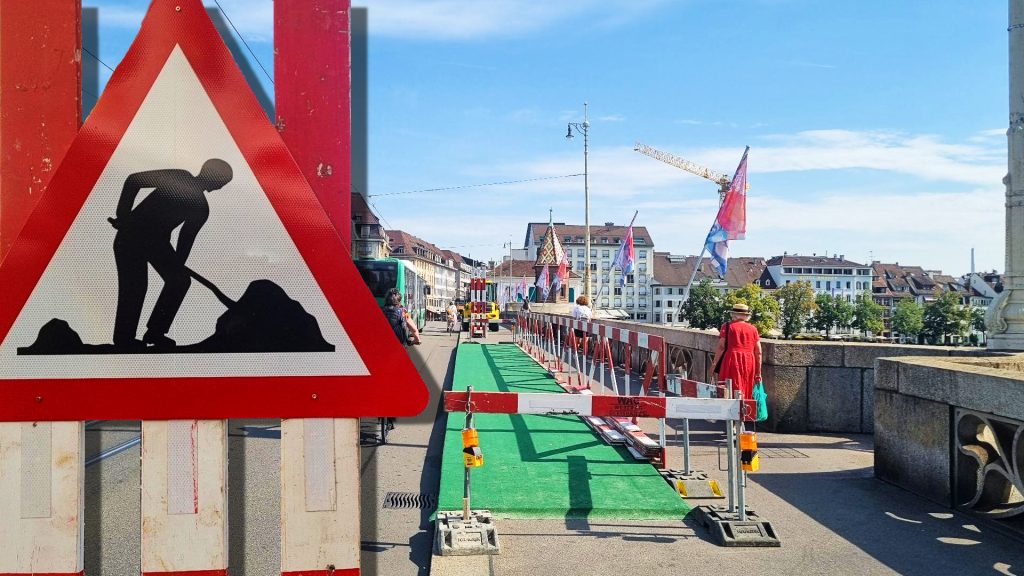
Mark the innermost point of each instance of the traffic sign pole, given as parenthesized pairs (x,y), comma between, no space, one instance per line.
(42,472)
(320,514)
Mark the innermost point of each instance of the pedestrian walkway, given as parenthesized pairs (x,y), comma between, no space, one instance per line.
(543,466)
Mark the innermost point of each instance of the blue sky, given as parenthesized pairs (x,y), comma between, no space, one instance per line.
(877,128)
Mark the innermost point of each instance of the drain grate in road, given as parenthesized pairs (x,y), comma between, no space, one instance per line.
(781,453)
(410,500)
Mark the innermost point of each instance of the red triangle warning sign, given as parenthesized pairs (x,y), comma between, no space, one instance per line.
(180,266)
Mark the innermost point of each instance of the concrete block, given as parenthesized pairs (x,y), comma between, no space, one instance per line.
(886,374)
(787,398)
(805,354)
(834,399)
(984,391)
(929,382)
(912,445)
(867,402)
(455,536)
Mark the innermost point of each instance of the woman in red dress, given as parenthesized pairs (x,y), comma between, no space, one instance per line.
(741,355)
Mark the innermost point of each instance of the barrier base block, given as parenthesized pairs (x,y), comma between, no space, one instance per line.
(456,536)
(728,530)
(696,484)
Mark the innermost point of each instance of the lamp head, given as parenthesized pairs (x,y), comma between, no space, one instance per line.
(568,134)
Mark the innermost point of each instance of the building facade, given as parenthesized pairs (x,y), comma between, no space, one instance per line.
(369,239)
(668,287)
(440,269)
(634,296)
(836,275)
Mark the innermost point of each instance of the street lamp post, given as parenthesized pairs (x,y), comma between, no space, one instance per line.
(584,127)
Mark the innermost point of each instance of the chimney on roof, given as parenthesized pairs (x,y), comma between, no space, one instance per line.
(609,224)
(833,256)
(842,256)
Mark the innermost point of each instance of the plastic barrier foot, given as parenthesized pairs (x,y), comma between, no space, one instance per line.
(455,536)
(728,530)
(696,484)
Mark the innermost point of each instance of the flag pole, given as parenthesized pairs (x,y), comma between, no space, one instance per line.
(634,219)
(686,291)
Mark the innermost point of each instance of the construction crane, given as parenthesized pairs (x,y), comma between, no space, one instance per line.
(722,180)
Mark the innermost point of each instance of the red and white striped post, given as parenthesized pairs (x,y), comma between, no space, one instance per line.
(41,463)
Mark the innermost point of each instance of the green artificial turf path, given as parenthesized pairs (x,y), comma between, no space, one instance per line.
(543,466)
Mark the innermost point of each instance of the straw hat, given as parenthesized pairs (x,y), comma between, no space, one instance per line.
(740,308)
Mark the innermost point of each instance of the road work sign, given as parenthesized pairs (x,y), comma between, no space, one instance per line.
(180,266)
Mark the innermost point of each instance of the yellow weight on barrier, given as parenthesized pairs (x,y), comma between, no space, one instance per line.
(472,456)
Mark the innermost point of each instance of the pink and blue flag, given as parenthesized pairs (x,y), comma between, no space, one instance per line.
(544,283)
(625,258)
(731,222)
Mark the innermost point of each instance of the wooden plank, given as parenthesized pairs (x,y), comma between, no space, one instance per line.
(41,468)
(184,497)
(40,101)
(319,458)
(41,497)
(314,538)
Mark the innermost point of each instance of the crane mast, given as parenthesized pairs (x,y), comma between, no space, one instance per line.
(722,180)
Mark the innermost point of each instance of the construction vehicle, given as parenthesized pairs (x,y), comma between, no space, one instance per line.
(493,314)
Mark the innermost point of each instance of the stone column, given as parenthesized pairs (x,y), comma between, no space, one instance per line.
(1005,317)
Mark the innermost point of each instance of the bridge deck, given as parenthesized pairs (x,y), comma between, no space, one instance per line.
(543,466)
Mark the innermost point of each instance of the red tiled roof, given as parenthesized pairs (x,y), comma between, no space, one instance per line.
(398,238)
(537,229)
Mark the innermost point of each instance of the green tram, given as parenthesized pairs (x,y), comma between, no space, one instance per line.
(383,274)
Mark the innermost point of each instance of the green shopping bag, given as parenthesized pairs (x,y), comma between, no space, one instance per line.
(761,397)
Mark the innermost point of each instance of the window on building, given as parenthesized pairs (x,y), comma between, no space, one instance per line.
(579,265)
(642,268)
(630,291)
(618,291)
(817,284)
(640,241)
(643,254)
(787,282)
(578,239)
(641,315)
(604,239)
(617,303)
(657,303)
(657,290)
(818,271)
(657,316)
(605,254)
(604,302)
(668,317)
(668,290)
(787,270)
(643,303)
(828,285)
(847,285)
(593,252)
(605,265)
(581,252)
(604,278)
(593,267)
(668,304)
(629,278)
(615,240)
(629,303)
(643,291)
(567,239)
(643,278)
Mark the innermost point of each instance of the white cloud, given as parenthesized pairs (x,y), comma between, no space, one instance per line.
(944,198)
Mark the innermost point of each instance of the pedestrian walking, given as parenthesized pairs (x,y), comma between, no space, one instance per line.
(738,355)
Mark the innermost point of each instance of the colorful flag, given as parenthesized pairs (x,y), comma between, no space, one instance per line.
(624,258)
(731,222)
(563,270)
(521,292)
(544,283)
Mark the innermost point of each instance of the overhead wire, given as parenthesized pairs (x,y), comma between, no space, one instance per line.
(239,34)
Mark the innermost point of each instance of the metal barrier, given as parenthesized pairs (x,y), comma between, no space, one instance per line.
(584,356)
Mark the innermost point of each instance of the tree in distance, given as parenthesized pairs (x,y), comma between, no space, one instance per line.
(703,308)
(832,313)
(945,317)
(908,318)
(867,315)
(764,309)
(796,304)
